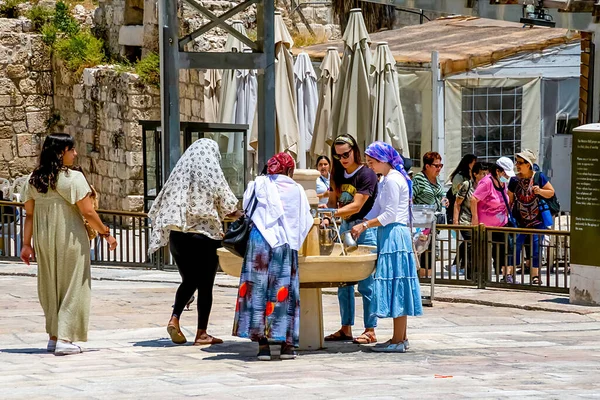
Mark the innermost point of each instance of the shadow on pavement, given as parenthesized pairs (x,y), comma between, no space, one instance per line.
(247,350)
(162,342)
(557,300)
(25,351)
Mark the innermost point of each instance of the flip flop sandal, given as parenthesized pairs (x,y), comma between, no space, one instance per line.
(366,338)
(176,335)
(208,340)
(338,336)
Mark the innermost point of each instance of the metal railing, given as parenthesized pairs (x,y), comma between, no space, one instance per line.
(465,255)
(486,257)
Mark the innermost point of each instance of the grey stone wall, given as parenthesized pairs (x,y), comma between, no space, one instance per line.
(101,109)
(25,96)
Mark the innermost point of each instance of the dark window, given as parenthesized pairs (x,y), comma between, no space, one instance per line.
(491,122)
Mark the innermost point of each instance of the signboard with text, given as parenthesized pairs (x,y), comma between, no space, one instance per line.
(585,196)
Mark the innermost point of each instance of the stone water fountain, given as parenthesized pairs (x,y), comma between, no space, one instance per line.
(316,271)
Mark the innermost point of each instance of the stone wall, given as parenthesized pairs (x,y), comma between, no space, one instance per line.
(25,96)
(101,110)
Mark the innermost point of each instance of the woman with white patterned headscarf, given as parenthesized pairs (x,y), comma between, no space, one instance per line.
(188,214)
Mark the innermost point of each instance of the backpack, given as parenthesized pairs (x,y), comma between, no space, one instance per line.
(552,202)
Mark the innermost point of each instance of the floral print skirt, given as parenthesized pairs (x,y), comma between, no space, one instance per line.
(268,303)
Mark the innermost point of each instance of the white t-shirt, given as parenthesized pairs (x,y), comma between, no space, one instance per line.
(392,202)
(322,187)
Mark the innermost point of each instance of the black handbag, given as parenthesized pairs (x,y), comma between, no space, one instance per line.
(238,232)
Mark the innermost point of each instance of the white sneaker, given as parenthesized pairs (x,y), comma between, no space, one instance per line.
(51,346)
(64,349)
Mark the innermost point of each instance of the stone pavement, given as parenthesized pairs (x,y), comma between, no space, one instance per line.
(459,350)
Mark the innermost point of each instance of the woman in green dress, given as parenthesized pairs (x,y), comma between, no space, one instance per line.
(57,200)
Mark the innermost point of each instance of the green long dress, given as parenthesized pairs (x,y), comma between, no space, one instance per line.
(62,250)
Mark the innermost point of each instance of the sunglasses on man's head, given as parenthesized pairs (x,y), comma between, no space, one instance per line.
(345,155)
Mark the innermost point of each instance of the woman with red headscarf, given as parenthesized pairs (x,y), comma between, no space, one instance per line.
(267,307)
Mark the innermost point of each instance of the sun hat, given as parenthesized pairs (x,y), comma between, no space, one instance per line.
(528,156)
(507,165)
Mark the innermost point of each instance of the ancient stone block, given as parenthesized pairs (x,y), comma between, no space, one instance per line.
(6,149)
(78,92)
(7,87)
(35,101)
(44,85)
(14,113)
(79,107)
(6,132)
(27,86)
(40,56)
(134,158)
(22,165)
(140,101)
(89,76)
(133,203)
(28,145)
(19,126)
(36,121)
(16,71)
(9,39)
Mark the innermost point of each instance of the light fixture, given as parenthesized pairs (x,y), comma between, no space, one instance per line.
(536,14)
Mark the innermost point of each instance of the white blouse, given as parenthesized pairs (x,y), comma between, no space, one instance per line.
(392,202)
(282,213)
(322,187)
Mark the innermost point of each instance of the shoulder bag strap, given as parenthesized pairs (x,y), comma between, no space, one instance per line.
(252,201)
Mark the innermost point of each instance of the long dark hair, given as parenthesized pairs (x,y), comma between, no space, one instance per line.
(337,169)
(323,158)
(477,168)
(51,162)
(463,166)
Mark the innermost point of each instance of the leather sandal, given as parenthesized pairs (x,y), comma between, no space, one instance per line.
(177,336)
(338,336)
(367,337)
(207,339)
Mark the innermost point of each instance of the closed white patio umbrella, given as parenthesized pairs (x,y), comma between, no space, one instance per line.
(228,81)
(388,120)
(328,82)
(212,93)
(286,135)
(351,105)
(307,99)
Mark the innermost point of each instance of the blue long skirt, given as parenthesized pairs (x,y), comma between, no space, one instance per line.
(397,291)
(268,303)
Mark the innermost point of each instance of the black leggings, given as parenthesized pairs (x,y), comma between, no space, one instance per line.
(197,261)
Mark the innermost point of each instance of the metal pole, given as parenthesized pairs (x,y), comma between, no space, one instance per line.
(437,108)
(266,82)
(169,85)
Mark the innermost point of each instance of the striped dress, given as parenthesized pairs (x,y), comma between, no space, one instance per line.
(427,193)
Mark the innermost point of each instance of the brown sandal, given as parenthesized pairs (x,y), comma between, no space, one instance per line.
(367,337)
(338,336)
(207,340)
(177,336)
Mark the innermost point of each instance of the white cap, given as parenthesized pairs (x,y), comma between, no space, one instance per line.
(507,165)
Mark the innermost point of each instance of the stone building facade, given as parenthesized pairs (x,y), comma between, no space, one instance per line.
(101,109)
(25,96)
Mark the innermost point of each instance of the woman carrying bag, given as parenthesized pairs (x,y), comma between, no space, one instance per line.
(188,214)
(268,303)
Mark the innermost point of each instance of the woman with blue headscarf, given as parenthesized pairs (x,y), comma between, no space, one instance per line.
(396,291)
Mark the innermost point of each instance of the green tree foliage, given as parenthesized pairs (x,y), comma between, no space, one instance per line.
(148,68)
